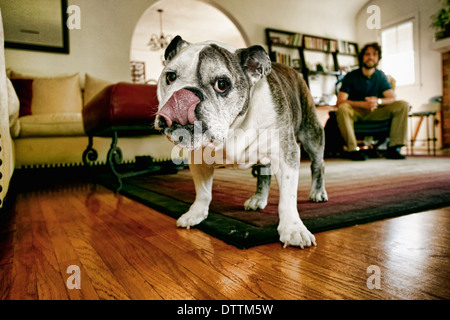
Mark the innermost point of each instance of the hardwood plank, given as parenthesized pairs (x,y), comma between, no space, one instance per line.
(50,283)
(7,232)
(206,280)
(122,220)
(120,254)
(106,285)
(23,272)
(238,266)
(64,251)
(79,233)
(6,280)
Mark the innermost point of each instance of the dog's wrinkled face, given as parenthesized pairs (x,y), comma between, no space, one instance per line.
(203,88)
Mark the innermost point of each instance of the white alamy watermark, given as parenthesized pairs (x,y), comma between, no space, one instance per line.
(74,17)
(74,280)
(374,280)
(374,20)
(241,148)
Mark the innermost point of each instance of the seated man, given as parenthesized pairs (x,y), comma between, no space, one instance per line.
(367,95)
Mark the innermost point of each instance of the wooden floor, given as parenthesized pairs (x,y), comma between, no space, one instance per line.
(124,250)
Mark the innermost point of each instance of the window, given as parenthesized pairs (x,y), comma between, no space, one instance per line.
(399,59)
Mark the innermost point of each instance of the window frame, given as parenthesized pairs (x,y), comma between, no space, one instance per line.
(414,18)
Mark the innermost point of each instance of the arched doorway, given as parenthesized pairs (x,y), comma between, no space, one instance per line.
(193,20)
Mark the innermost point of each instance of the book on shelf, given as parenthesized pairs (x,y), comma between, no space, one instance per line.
(286,59)
(294,40)
(298,40)
(321,44)
(283,58)
(347,47)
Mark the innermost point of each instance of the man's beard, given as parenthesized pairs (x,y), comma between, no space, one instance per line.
(365,65)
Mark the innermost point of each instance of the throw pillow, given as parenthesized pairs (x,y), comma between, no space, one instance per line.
(55,95)
(24,90)
(92,86)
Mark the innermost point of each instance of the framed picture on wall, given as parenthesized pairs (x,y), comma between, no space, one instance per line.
(35,25)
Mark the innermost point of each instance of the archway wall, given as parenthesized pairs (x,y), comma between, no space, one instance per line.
(193,20)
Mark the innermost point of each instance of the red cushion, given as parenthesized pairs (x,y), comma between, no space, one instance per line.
(24,90)
(121,104)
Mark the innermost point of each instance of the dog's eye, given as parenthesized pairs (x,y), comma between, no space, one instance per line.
(222,85)
(171,77)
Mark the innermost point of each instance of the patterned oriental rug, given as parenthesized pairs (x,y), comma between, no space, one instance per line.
(358,192)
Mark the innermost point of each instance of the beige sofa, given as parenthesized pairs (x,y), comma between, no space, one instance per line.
(53,134)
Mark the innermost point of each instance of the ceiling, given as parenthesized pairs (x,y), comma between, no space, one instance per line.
(346,7)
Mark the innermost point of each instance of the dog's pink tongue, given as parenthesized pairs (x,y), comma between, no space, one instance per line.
(180,107)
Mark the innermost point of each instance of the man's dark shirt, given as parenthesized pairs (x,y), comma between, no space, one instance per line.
(358,86)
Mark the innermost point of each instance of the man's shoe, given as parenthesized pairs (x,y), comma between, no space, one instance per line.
(357,156)
(394,153)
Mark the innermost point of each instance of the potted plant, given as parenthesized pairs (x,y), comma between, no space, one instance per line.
(440,21)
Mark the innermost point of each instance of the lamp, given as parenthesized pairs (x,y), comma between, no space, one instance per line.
(160,42)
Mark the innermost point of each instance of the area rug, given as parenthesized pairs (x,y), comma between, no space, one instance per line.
(359,192)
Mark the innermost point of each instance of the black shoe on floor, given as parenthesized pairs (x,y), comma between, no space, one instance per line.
(394,153)
(357,156)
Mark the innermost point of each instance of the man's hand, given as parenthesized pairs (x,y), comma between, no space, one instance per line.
(371,103)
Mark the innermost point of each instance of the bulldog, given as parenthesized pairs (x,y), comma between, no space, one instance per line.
(240,109)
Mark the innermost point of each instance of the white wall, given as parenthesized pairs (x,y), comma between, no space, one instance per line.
(204,21)
(102,46)
(430,81)
(328,18)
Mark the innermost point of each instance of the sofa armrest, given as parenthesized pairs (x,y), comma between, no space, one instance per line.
(6,146)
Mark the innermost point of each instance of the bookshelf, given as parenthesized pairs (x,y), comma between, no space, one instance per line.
(289,47)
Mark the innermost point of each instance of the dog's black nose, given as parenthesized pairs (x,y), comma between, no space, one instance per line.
(162,123)
(197,92)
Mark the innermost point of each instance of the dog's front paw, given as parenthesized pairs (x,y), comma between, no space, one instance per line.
(296,234)
(192,218)
(318,195)
(255,202)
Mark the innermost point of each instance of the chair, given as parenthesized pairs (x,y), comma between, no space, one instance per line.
(372,135)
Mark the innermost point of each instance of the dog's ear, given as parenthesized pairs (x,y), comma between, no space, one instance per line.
(255,62)
(174,47)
